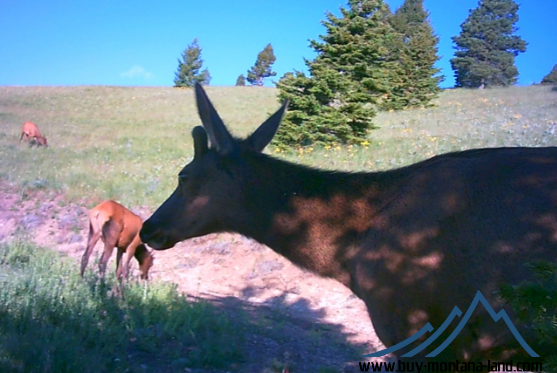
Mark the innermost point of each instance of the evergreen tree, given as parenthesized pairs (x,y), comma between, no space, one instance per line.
(263,66)
(550,78)
(410,14)
(358,45)
(241,81)
(417,55)
(189,68)
(352,73)
(486,47)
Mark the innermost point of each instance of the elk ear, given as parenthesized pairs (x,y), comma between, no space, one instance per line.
(219,136)
(200,144)
(265,133)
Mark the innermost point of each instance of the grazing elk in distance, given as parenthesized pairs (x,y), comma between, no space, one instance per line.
(118,227)
(31,132)
(412,242)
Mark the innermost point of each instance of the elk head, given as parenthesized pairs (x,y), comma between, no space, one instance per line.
(210,195)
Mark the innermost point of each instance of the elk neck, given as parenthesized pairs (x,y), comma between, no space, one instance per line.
(316,219)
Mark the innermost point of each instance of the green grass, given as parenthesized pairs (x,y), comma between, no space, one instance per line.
(128,143)
(113,142)
(462,119)
(51,320)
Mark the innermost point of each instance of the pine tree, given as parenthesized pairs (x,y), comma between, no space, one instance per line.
(358,45)
(486,47)
(417,55)
(263,66)
(409,15)
(189,68)
(550,78)
(351,74)
(241,81)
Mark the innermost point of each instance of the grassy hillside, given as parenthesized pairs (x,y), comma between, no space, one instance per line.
(128,143)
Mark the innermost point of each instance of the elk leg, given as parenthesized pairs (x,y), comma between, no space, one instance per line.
(128,254)
(110,235)
(91,242)
(121,269)
(142,255)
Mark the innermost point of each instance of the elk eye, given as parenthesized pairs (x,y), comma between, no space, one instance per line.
(182,178)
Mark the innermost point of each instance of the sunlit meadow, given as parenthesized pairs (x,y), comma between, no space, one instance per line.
(128,143)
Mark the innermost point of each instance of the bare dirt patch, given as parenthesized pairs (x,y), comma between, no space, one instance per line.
(303,321)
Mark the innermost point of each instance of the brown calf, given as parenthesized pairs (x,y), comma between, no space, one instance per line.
(31,132)
(118,227)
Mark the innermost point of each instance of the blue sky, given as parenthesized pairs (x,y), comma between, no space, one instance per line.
(121,42)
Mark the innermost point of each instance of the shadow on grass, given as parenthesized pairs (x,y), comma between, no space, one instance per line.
(51,320)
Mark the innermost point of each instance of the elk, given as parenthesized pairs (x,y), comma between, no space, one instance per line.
(412,242)
(118,227)
(31,132)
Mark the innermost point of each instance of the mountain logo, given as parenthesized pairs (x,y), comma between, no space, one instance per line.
(455,312)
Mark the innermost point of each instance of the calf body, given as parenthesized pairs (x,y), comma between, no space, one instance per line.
(118,227)
(30,132)
(412,242)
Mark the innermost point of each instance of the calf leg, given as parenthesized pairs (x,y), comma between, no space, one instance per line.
(118,288)
(91,242)
(145,260)
(123,262)
(111,234)
(124,267)
(121,265)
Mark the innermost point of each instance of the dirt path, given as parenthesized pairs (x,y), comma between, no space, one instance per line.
(312,321)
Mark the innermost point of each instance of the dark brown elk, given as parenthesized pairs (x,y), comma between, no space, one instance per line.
(31,133)
(412,242)
(118,227)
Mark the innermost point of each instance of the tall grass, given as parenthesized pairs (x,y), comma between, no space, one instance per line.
(129,143)
(53,321)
